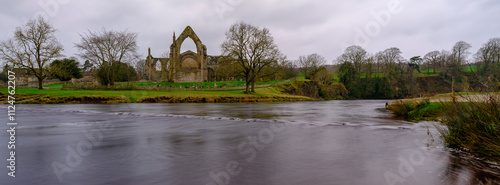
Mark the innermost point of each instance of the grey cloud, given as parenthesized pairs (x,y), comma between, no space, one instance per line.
(299,27)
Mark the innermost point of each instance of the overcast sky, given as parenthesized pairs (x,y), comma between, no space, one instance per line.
(299,28)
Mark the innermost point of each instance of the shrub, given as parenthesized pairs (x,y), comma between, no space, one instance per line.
(333,92)
(417,110)
(65,69)
(473,126)
(108,73)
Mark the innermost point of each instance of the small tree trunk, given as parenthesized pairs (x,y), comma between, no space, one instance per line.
(107,76)
(247,83)
(112,81)
(40,83)
(253,85)
(453,85)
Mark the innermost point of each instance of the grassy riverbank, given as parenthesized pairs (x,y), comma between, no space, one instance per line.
(275,91)
(55,95)
(417,110)
(472,121)
(474,127)
(432,108)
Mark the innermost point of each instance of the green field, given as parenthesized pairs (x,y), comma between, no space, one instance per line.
(430,71)
(136,95)
(55,90)
(470,69)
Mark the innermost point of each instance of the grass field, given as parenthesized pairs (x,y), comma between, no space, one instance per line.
(55,90)
(133,96)
(470,69)
(430,71)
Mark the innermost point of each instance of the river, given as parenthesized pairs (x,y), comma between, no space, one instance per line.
(316,143)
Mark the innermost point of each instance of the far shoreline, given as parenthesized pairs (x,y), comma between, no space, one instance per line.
(288,91)
(99,99)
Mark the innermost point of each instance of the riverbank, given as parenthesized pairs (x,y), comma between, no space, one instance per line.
(58,96)
(287,91)
(432,108)
(472,121)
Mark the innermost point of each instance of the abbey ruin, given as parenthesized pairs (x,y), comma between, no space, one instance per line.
(183,67)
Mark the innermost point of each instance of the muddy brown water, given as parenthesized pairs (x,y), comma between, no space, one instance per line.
(327,142)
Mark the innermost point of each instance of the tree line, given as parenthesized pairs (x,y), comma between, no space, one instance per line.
(35,48)
(249,53)
(387,74)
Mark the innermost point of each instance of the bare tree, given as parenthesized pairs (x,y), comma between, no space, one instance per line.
(33,47)
(107,49)
(389,59)
(458,57)
(355,55)
(432,59)
(140,67)
(310,64)
(396,69)
(489,56)
(351,65)
(460,52)
(167,68)
(390,55)
(288,70)
(227,69)
(444,59)
(253,49)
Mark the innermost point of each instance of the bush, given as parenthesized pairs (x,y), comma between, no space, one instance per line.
(323,76)
(65,69)
(401,109)
(423,110)
(474,126)
(333,92)
(302,88)
(108,74)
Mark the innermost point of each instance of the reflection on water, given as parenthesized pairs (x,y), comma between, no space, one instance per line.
(465,169)
(334,142)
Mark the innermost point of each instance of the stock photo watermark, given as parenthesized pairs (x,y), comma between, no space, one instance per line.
(222,7)
(50,8)
(249,148)
(380,20)
(11,124)
(407,165)
(75,154)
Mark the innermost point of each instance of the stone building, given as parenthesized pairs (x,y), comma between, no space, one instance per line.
(25,78)
(188,66)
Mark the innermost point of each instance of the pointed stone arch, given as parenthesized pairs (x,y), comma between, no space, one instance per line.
(201,57)
(189,66)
